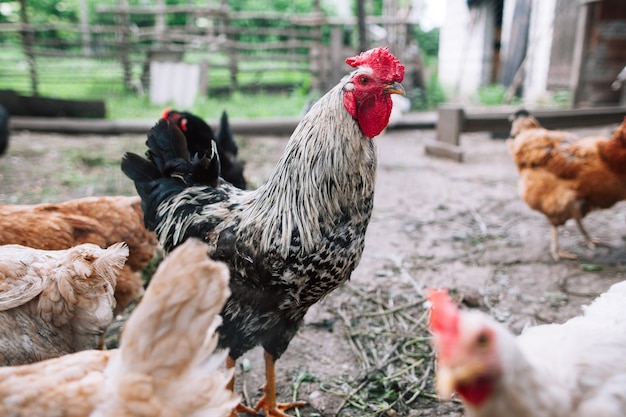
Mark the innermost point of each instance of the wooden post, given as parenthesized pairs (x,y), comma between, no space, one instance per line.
(203,83)
(85,35)
(230,47)
(580,49)
(450,122)
(27,42)
(317,56)
(336,53)
(124,50)
(159,24)
(362,24)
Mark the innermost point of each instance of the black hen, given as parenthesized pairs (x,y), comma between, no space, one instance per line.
(200,136)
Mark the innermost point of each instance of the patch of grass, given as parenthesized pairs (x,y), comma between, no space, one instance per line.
(388,335)
(238,105)
(102,79)
(491,95)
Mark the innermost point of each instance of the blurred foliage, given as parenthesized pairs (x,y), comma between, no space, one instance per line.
(491,95)
(53,11)
(428,41)
(430,97)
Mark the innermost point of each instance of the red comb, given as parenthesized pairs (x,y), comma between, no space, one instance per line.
(166,113)
(444,314)
(444,320)
(387,66)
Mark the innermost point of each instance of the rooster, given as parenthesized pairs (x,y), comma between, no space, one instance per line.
(166,364)
(55,302)
(565,177)
(296,238)
(574,369)
(201,135)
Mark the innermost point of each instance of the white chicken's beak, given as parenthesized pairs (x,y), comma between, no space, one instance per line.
(449,378)
(395,88)
(445,383)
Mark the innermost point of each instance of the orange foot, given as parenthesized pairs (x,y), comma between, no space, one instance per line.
(277,410)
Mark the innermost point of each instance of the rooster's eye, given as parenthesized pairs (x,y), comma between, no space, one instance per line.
(363,80)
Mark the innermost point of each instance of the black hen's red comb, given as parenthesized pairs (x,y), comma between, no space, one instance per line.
(166,113)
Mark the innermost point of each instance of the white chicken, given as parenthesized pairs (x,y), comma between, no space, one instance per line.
(55,302)
(165,366)
(574,369)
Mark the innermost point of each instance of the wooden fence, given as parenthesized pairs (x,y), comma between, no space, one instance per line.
(217,38)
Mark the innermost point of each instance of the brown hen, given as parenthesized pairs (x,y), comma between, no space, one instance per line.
(100,220)
(564,177)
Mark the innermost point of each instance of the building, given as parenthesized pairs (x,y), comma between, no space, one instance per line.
(537,48)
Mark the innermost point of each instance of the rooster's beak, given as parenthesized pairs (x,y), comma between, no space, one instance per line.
(395,88)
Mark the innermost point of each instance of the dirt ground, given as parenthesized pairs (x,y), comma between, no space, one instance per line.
(364,350)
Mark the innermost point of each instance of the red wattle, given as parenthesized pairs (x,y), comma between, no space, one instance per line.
(373,115)
(477,391)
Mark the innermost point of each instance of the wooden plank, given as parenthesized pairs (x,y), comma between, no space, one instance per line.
(271,126)
(18,105)
(550,119)
(516,49)
(453,120)
(274,126)
(563,45)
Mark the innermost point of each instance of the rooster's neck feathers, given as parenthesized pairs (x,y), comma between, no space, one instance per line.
(324,171)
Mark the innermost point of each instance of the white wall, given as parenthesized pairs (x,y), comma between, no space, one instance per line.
(539,50)
(466,40)
(465,47)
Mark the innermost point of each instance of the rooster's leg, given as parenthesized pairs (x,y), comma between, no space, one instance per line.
(268,401)
(230,363)
(554,247)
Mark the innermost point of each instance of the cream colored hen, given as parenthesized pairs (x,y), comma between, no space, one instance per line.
(102,220)
(55,302)
(165,366)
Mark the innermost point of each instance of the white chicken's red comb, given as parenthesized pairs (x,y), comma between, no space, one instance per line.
(444,320)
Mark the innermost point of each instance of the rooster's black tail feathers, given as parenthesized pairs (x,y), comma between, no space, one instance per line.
(169,168)
(232,168)
(224,138)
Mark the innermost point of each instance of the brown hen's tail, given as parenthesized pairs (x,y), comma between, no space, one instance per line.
(620,133)
(168,345)
(613,151)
